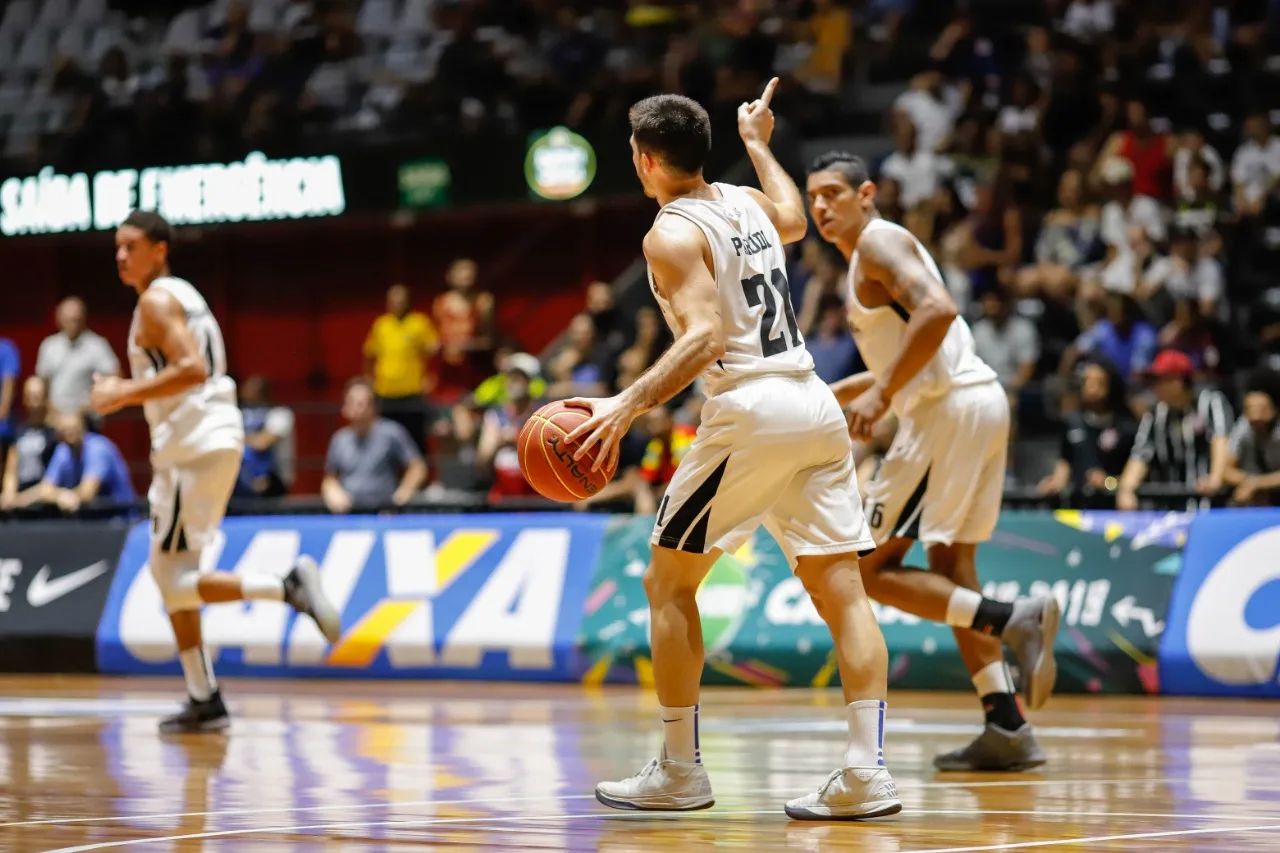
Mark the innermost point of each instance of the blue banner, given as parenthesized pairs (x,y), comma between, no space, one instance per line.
(1223,636)
(448,596)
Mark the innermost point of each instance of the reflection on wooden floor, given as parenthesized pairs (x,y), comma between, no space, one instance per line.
(362,766)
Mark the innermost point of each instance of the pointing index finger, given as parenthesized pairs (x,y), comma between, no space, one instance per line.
(768,92)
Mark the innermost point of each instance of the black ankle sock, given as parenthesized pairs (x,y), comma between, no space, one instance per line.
(1002,710)
(992,616)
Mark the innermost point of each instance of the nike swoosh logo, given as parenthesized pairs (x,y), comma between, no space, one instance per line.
(43,591)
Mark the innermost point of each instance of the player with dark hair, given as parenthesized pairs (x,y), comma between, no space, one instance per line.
(942,481)
(179,378)
(772,449)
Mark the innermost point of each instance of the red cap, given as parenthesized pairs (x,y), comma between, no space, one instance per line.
(1172,362)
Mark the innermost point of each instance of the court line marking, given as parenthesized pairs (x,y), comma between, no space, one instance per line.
(1011,783)
(640,817)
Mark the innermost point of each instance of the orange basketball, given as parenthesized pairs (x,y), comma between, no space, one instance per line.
(546,458)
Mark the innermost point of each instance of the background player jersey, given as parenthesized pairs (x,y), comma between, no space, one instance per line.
(879,333)
(203,417)
(760,330)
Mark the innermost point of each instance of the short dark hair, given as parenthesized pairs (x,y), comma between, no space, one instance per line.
(675,129)
(850,166)
(154,226)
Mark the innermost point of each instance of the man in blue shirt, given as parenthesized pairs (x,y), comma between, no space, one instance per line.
(10,367)
(84,467)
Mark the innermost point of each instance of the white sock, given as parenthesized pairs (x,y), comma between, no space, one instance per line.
(962,607)
(680,729)
(866,734)
(266,587)
(199,675)
(993,678)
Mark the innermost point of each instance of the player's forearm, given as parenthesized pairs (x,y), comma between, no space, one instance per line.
(851,387)
(925,332)
(781,190)
(173,379)
(692,353)
(88,489)
(1266,482)
(414,476)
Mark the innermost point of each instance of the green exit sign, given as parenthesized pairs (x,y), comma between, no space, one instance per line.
(425,183)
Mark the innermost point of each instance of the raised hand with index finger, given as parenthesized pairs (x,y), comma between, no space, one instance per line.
(755,120)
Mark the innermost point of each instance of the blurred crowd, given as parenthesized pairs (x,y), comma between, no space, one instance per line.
(212,81)
(1099,181)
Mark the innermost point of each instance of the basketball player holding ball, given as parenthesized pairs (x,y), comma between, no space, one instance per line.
(773,449)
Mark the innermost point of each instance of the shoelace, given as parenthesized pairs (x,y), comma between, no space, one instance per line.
(649,770)
(830,781)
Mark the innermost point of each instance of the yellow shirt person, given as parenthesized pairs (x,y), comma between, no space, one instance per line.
(398,347)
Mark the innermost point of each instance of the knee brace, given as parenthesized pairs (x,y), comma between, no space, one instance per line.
(177,577)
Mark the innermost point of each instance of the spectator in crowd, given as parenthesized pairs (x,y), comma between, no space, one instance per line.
(586,365)
(1007,342)
(1191,147)
(1255,169)
(372,462)
(1187,275)
(603,311)
(1148,154)
(1069,241)
(1125,208)
(397,353)
(991,250)
(1199,207)
(1184,440)
(835,355)
(464,316)
(267,468)
(1097,438)
(1254,468)
(651,338)
(85,467)
(932,107)
(70,358)
(469,413)
(669,441)
(10,369)
(1120,336)
(496,453)
(29,456)
(918,171)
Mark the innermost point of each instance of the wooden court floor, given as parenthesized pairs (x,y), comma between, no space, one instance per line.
(363,766)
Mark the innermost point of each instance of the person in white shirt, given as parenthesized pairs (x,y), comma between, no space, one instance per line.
(1125,209)
(69,359)
(1191,148)
(1255,169)
(932,107)
(1089,19)
(918,171)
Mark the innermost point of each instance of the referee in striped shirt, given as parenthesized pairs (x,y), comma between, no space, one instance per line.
(1183,440)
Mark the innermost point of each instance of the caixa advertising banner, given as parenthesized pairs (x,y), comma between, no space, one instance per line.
(1223,637)
(449,596)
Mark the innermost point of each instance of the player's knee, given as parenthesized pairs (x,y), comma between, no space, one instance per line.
(671,574)
(177,577)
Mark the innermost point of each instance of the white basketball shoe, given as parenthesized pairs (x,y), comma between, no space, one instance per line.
(854,793)
(663,785)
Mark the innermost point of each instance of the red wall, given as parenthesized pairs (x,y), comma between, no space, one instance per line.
(295,300)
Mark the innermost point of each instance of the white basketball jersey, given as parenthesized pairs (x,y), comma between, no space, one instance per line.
(761,334)
(879,333)
(207,414)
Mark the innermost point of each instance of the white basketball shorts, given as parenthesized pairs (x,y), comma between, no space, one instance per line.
(771,451)
(942,480)
(188,502)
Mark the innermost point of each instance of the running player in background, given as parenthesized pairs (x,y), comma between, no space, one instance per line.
(179,367)
(772,449)
(942,480)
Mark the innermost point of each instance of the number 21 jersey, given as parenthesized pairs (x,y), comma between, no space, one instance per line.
(760,330)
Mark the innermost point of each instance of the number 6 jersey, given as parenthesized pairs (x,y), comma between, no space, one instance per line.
(200,419)
(760,330)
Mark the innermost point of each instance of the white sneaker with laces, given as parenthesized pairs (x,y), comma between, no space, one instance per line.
(663,785)
(854,793)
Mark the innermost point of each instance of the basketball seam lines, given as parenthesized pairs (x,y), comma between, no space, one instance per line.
(543,443)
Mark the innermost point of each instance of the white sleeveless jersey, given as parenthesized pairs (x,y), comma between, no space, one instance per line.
(203,417)
(879,332)
(760,330)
